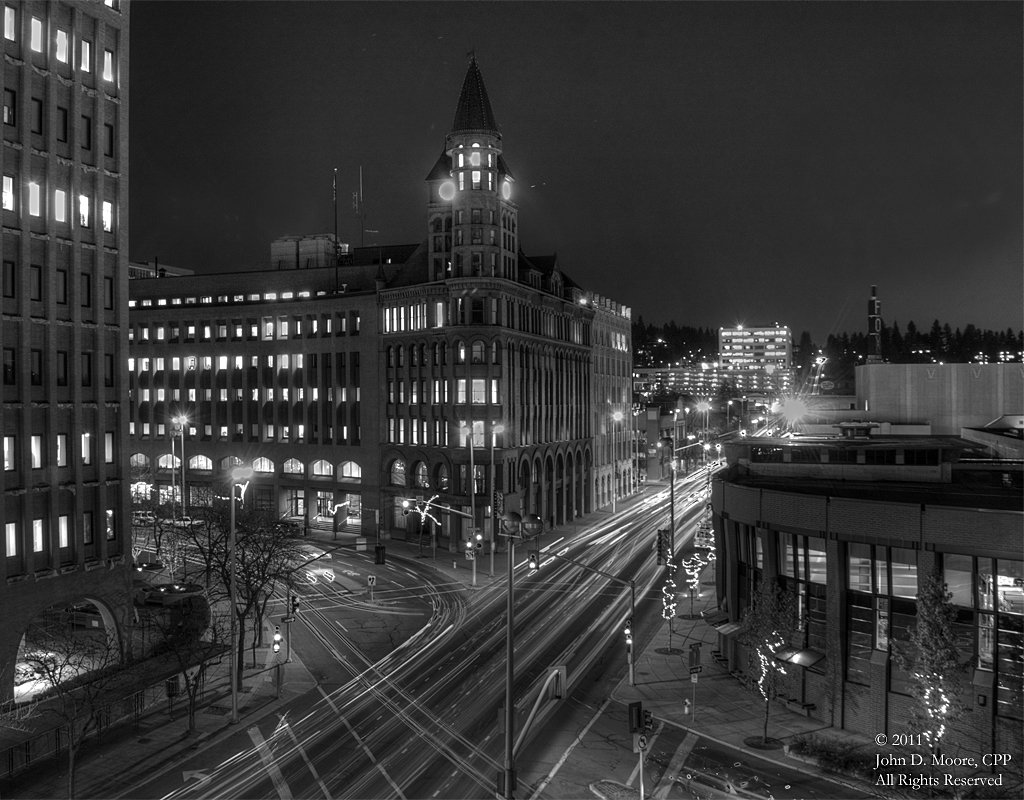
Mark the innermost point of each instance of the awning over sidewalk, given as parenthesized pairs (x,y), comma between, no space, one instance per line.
(802,658)
(715,618)
(731,628)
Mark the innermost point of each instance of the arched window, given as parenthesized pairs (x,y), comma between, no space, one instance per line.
(420,478)
(351,470)
(168,461)
(323,468)
(139,461)
(438,224)
(444,353)
(442,478)
(262,465)
(200,462)
(397,472)
(437,355)
(230,462)
(293,467)
(414,356)
(460,352)
(479,353)
(495,353)
(400,356)
(391,356)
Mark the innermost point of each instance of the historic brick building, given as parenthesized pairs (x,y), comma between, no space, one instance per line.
(65,311)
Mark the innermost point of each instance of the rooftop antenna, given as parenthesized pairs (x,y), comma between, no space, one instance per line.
(336,249)
(357,204)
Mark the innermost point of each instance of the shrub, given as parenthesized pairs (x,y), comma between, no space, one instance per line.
(833,755)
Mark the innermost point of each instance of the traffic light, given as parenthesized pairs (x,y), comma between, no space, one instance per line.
(479,541)
(648,720)
(662,546)
(378,554)
(628,630)
(407,506)
(532,558)
(294,603)
(636,716)
(469,545)
(277,639)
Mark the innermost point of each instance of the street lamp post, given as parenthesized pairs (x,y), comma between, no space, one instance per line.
(616,418)
(237,474)
(181,421)
(468,430)
(495,430)
(514,527)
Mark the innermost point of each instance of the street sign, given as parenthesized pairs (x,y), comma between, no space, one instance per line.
(693,679)
(641,741)
(695,670)
(371,579)
(470,556)
(288,619)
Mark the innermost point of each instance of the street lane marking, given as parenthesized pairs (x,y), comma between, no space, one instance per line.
(550,776)
(274,771)
(373,760)
(312,769)
(674,766)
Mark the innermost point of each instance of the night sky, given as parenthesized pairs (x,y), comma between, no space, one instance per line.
(712,163)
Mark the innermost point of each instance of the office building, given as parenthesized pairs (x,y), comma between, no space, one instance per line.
(65,277)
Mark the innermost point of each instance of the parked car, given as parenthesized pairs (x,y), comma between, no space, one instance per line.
(166,594)
(289,528)
(143,518)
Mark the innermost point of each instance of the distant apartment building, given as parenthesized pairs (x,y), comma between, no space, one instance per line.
(615,431)
(65,311)
(756,349)
(701,381)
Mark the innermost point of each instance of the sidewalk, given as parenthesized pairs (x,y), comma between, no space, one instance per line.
(722,709)
(127,754)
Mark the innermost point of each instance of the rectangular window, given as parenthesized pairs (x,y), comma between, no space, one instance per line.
(37,536)
(86,284)
(37,115)
(8,454)
(108,149)
(62,46)
(37,451)
(83,211)
(34,199)
(36,35)
(86,63)
(62,449)
(60,205)
(8,193)
(35,287)
(62,287)
(12,538)
(108,448)
(63,531)
(10,285)
(108,293)
(36,367)
(10,367)
(10,23)
(10,106)
(62,124)
(87,370)
(108,65)
(108,372)
(87,532)
(86,132)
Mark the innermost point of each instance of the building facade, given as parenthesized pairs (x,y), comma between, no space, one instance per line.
(849,525)
(65,311)
(615,429)
(755,349)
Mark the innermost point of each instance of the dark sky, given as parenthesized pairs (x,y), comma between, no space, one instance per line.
(710,163)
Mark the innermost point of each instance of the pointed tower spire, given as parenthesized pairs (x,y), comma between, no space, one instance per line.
(473,112)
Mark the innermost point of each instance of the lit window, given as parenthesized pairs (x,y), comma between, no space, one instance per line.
(36,40)
(37,452)
(10,23)
(63,530)
(8,453)
(108,65)
(86,449)
(62,46)
(108,216)
(37,536)
(86,65)
(83,210)
(8,193)
(33,199)
(62,449)
(60,202)
(12,538)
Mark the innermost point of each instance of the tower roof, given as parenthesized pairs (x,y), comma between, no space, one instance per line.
(474,110)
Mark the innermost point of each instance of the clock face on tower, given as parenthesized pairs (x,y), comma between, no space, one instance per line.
(446,191)
(506,190)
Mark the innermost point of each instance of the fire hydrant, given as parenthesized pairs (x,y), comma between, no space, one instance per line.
(686,706)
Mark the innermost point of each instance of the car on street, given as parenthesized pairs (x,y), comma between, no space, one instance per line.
(166,594)
(143,518)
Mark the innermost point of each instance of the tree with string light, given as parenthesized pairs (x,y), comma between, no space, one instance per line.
(766,621)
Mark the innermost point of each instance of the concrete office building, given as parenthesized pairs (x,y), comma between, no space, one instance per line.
(65,312)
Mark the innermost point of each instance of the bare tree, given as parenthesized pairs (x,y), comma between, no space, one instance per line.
(78,668)
(767,620)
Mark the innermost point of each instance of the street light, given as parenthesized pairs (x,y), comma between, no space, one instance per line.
(616,417)
(515,526)
(495,430)
(238,474)
(181,421)
(467,429)
(705,406)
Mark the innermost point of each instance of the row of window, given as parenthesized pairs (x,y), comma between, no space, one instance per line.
(61,208)
(765,454)
(40,541)
(480,391)
(36,373)
(40,456)
(282,394)
(36,284)
(63,47)
(348,470)
(266,329)
(258,432)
